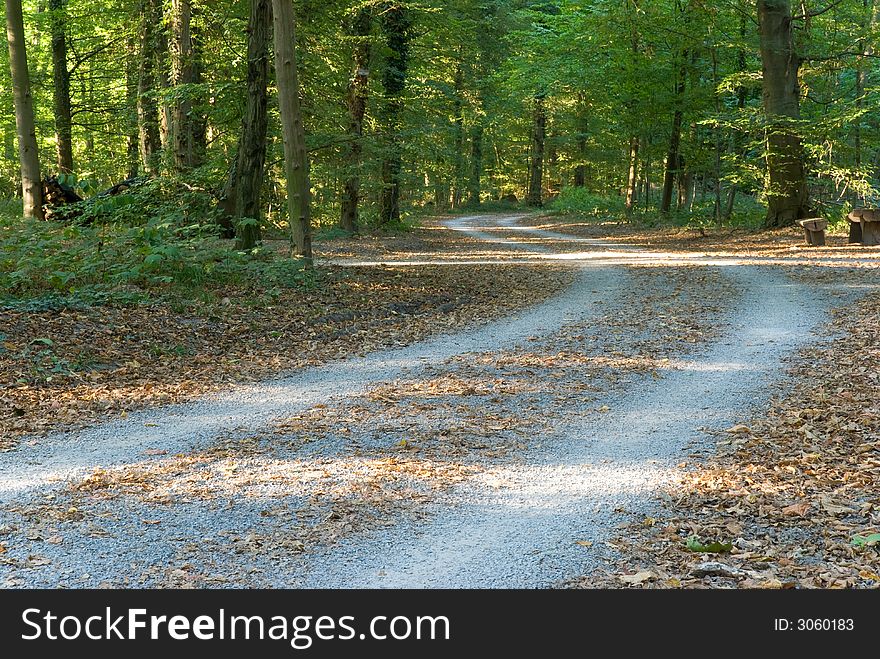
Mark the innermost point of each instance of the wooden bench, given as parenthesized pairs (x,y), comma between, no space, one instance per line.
(864,226)
(814,230)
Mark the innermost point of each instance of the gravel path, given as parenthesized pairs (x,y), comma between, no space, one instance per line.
(518,524)
(190,426)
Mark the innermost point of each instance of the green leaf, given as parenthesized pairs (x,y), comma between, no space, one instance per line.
(45,342)
(695,544)
(866,541)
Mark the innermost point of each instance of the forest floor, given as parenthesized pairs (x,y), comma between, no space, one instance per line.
(490,401)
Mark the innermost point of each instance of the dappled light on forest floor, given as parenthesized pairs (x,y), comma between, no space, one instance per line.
(792,490)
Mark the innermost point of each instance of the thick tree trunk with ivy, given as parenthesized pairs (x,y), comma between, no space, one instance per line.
(534,196)
(29,157)
(61,87)
(147,105)
(296,166)
(359,30)
(396,24)
(787,196)
(241,194)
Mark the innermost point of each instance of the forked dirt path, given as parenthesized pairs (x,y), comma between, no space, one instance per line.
(533,520)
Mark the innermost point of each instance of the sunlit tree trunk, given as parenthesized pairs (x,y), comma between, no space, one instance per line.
(296,165)
(474,186)
(458,142)
(29,157)
(182,74)
(632,179)
(787,196)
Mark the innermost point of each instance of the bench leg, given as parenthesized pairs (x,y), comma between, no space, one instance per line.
(871,233)
(818,238)
(855,232)
(809,236)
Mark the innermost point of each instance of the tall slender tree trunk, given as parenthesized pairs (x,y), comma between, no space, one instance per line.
(198,120)
(534,196)
(740,104)
(131,116)
(632,179)
(296,163)
(241,194)
(61,87)
(787,196)
(458,143)
(673,156)
(359,30)
(147,105)
(182,74)
(29,157)
(397,24)
(474,188)
(866,49)
(164,68)
(580,170)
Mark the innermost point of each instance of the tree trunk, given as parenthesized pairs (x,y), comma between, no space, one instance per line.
(396,24)
(296,163)
(147,106)
(31,188)
(787,196)
(580,170)
(458,145)
(163,79)
(632,179)
(61,80)
(241,194)
(474,191)
(866,49)
(198,120)
(673,157)
(740,104)
(182,74)
(131,118)
(534,197)
(359,30)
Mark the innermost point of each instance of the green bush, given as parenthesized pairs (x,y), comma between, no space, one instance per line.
(151,242)
(583,202)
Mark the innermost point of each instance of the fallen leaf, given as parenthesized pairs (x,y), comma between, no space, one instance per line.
(637,578)
(797,508)
(866,541)
(695,544)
